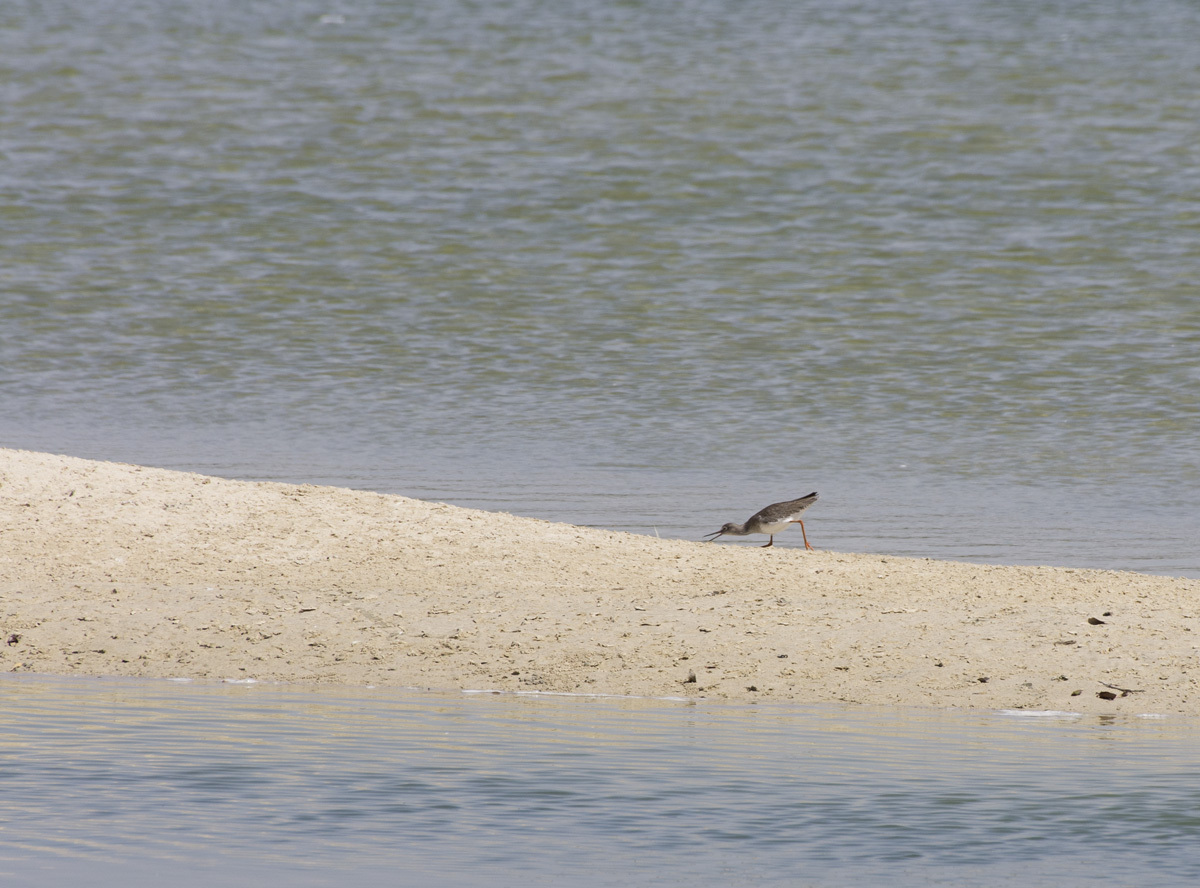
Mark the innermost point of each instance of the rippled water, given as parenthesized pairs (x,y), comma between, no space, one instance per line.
(644,265)
(108,782)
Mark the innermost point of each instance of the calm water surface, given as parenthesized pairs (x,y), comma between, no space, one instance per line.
(645,265)
(118,782)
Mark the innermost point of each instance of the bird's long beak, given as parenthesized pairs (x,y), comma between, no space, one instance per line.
(712,536)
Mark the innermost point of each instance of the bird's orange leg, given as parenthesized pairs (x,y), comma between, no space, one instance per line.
(771,543)
(806,545)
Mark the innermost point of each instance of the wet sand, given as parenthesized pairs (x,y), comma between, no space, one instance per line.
(112,569)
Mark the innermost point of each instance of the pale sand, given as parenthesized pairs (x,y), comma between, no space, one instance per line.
(109,569)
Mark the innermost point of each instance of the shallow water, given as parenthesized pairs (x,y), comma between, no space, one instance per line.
(640,265)
(107,782)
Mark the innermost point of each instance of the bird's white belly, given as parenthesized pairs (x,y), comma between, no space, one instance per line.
(773,528)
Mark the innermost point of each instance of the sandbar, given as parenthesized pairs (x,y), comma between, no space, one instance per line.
(109,569)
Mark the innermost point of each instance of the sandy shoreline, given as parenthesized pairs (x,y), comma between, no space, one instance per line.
(111,569)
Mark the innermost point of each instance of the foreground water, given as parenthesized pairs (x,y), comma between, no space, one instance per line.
(106,782)
(641,265)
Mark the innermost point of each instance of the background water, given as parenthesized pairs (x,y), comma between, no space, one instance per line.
(644,265)
(107,783)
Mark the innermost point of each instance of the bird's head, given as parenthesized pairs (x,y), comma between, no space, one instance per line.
(729,527)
